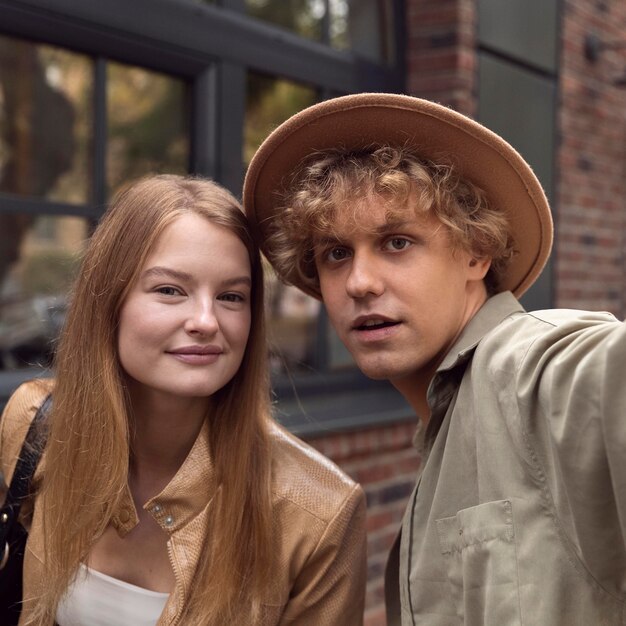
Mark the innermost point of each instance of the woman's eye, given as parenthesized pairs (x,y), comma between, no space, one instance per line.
(232,297)
(168,291)
(397,243)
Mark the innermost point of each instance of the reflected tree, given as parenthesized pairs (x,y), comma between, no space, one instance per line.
(148,124)
(303,17)
(36,138)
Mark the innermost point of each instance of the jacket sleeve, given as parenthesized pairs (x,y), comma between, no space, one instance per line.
(572,398)
(613,412)
(16,418)
(330,589)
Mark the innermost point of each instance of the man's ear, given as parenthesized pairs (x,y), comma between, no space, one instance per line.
(478,268)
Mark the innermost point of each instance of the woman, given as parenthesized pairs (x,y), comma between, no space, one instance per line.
(165,485)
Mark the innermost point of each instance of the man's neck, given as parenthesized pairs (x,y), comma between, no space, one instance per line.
(414,387)
(415,392)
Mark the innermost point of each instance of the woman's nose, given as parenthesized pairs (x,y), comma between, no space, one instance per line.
(202,319)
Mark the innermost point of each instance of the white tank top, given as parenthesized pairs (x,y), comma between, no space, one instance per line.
(95,599)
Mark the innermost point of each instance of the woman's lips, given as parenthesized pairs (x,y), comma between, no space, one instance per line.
(197,355)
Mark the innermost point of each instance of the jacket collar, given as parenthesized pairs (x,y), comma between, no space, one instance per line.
(449,374)
(183,498)
(495,310)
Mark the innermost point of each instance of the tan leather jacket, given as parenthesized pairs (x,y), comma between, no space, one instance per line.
(319,514)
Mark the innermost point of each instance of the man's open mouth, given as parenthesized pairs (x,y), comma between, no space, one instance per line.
(375,324)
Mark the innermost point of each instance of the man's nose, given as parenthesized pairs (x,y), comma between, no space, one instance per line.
(365,276)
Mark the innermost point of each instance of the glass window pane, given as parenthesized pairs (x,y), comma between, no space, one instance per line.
(303,17)
(338,355)
(292,327)
(45,121)
(363,26)
(524,29)
(270,101)
(148,124)
(519,105)
(292,316)
(38,260)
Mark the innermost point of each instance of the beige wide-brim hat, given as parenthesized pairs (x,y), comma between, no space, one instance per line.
(432,132)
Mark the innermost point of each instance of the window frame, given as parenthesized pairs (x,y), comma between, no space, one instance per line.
(212,47)
(506,37)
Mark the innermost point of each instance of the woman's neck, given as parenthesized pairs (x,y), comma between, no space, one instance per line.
(163,431)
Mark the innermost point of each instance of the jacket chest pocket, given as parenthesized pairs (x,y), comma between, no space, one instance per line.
(478,547)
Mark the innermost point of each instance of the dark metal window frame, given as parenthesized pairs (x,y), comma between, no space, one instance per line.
(541,295)
(212,48)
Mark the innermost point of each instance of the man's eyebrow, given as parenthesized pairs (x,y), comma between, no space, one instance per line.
(391,226)
(325,241)
(383,229)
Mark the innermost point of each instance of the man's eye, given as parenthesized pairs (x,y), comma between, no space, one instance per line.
(337,254)
(397,243)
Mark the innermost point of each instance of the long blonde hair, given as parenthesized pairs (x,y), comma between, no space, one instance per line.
(88,451)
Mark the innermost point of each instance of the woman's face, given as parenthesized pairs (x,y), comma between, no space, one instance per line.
(184,325)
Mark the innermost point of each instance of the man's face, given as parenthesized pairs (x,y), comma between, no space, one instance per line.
(397,293)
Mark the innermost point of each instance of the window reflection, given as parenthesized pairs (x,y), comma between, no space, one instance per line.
(270,101)
(363,26)
(34,287)
(292,315)
(45,121)
(148,116)
(303,17)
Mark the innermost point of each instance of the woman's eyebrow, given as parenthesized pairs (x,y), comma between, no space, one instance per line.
(159,270)
(168,272)
(238,280)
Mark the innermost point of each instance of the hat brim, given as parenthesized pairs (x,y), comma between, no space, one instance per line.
(431,131)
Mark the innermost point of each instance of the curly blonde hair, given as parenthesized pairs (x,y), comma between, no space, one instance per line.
(335,180)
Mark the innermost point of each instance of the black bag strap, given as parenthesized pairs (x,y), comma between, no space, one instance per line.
(20,482)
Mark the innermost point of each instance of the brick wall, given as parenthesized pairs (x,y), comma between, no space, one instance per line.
(385,463)
(591,162)
(441,52)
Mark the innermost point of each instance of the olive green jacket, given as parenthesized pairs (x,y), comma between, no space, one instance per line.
(519,514)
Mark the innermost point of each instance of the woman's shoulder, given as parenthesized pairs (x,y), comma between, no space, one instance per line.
(16,419)
(308,480)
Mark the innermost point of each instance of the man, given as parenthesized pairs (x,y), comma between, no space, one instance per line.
(419,228)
